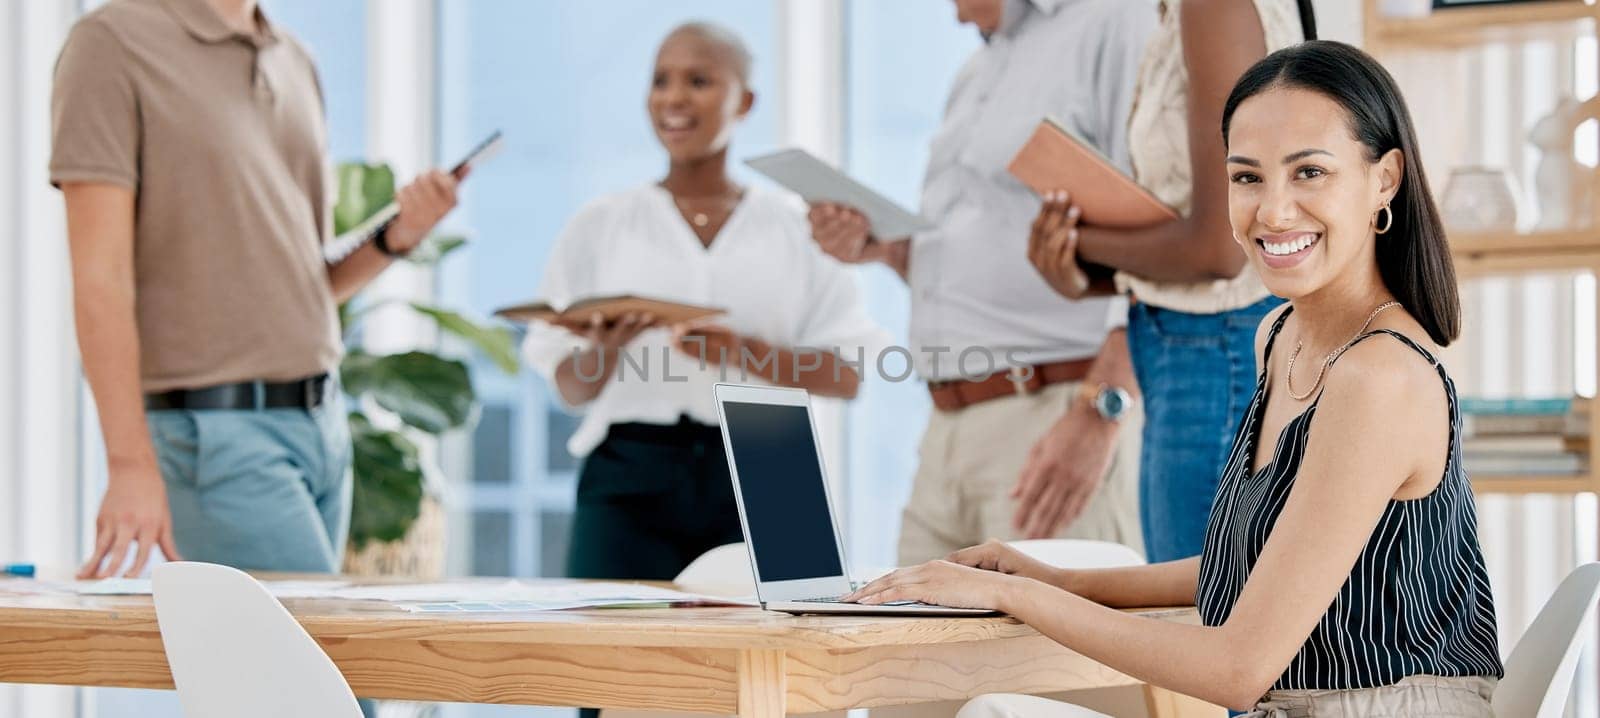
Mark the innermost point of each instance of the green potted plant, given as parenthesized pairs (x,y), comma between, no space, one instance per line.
(396,527)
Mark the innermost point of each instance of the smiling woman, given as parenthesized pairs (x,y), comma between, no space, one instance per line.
(654,490)
(1325,548)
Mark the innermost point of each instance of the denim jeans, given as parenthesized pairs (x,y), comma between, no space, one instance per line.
(258,490)
(261,490)
(1197,373)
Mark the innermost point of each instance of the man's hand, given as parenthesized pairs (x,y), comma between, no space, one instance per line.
(423,203)
(843,233)
(1064,470)
(1053,246)
(134,515)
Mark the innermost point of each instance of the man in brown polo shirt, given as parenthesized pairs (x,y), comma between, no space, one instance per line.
(190,145)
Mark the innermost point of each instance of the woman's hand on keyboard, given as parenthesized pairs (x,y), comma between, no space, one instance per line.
(942,583)
(997,555)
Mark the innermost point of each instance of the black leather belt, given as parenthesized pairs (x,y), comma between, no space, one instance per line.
(308,393)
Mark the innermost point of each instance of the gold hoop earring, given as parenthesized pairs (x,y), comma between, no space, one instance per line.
(1388,216)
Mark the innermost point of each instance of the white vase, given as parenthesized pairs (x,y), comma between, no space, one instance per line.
(1480,199)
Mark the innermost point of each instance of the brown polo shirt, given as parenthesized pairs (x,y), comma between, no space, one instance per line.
(222,138)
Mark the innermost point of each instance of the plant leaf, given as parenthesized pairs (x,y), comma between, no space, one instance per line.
(434,248)
(494,342)
(426,391)
(387,495)
(363,190)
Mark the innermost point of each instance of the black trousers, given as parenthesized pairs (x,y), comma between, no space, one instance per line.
(651,498)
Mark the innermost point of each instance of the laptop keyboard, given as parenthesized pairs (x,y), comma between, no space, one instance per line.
(835,599)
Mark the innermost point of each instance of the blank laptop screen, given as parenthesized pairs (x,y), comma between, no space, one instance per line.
(780,484)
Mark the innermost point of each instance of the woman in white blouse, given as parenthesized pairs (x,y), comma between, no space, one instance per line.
(654,490)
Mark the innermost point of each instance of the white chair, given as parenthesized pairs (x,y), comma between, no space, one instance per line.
(725,568)
(1539,671)
(1079,553)
(235,651)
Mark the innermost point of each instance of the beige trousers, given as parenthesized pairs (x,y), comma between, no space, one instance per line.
(970,461)
(1413,697)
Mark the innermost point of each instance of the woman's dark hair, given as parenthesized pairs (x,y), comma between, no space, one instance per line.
(1308,20)
(1413,256)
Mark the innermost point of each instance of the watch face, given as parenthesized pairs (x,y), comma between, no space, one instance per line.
(1112,403)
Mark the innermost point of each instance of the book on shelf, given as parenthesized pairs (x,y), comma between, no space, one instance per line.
(1524,424)
(1481,464)
(1526,444)
(1525,406)
(1544,416)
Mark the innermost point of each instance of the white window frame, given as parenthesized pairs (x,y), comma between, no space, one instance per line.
(39,384)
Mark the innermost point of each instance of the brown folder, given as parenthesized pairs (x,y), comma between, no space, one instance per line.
(610,308)
(1054,158)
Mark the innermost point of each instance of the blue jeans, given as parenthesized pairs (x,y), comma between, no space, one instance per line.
(1197,373)
(258,490)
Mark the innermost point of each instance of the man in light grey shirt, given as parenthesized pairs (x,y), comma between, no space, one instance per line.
(1035,429)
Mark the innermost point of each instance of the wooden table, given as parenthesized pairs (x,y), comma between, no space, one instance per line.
(708,660)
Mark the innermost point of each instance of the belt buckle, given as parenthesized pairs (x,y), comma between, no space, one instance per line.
(1017,382)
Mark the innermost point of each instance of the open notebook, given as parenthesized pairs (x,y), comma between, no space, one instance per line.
(609,308)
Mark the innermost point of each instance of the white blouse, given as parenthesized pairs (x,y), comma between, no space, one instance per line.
(763,269)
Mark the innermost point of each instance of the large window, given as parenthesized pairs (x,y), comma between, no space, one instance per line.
(566,82)
(335,32)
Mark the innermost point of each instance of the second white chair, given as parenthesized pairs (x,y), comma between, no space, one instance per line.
(1539,671)
(1079,553)
(236,652)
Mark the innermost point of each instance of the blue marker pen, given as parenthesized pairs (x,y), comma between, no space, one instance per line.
(25,570)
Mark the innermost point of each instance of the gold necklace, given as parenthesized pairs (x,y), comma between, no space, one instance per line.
(1288,376)
(703,219)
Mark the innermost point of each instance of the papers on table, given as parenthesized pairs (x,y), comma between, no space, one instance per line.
(141,587)
(517,596)
(113,587)
(459,597)
(31,587)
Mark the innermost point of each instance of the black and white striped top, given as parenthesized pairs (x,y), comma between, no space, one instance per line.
(1417,600)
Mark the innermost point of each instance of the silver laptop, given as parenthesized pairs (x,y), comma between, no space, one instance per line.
(784,508)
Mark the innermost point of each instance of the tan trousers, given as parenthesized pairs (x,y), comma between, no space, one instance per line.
(970,461)
(1414,697)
